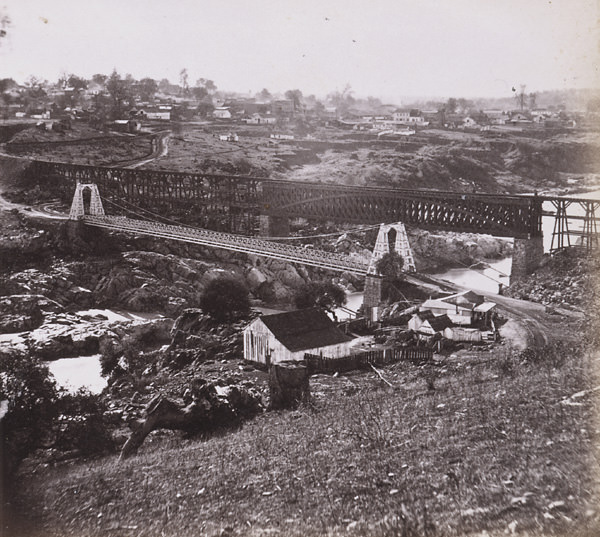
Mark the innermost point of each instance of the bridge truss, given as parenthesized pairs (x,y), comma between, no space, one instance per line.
(234,203)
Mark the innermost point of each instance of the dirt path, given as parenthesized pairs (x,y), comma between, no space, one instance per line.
(161,149)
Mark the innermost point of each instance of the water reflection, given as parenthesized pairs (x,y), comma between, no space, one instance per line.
(80,372)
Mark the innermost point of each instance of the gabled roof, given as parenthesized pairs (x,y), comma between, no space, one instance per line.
(304,329)
(425,315)
(465,298)
(439,323)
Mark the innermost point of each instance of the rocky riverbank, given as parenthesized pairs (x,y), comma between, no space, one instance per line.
(568,279)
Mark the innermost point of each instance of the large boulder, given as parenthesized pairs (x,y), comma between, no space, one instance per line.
(19,313)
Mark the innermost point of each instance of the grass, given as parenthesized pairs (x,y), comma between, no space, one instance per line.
(490,448)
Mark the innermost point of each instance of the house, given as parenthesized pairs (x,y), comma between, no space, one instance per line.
(520,117)
(409,117)
(257,119)
(282,136)
(463,308)
(470,122)
(222,112)
(126,125)
(288,336)
(161,115)
(496,117)
(415,322)
(229,137)
(435,325)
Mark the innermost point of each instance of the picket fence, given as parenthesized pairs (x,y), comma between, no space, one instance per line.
(322,364)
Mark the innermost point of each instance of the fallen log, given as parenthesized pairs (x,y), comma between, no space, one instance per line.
(216,407)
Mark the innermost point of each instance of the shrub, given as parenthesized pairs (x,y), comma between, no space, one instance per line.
(225,299)
(325,295)
(82,425)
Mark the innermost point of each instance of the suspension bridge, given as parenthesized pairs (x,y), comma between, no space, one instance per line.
(95,216)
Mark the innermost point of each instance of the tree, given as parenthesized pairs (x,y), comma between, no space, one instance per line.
(148,87)
(265,95)
(164,85)
(183,81)
(296,97)
(326,295)
(520,97)
(532,100)
(342,100)
(77,82)
(225,299)
(451,105)
(31,396)
(199,92)
(390,267)
(99,79)
(120,93)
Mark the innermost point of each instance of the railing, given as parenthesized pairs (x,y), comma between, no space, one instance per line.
(236,243)
(321,364)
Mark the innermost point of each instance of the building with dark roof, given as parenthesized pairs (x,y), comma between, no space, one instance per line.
(289,335)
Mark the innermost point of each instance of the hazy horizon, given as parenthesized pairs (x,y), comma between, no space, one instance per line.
(394,50)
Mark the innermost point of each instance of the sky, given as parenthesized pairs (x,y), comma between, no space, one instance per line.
(389,49)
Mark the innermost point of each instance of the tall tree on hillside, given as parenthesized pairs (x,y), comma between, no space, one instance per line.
(148,87)
(265,95)
(120,95)
(183,81)
(342,100)
(99,79)
(210,86)
(520,97)
(164,85)
(296,97)
(532,100)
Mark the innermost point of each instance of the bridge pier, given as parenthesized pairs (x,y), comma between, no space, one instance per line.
(372,296)
(527,255)
(273,226)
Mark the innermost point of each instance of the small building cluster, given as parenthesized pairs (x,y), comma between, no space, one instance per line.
(464,316)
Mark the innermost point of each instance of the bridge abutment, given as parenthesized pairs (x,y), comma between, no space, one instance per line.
(527,255)
(273,226)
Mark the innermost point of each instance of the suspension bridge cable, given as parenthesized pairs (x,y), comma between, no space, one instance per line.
(290,237)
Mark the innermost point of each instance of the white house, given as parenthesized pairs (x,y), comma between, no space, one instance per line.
(161,116)
(416,321)
(288,336)
(409,117)
(282,136)
(230,137)
(222,112)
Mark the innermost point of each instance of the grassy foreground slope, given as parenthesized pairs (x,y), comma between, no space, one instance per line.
(497,443)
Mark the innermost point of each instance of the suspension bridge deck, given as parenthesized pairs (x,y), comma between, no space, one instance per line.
(236,243)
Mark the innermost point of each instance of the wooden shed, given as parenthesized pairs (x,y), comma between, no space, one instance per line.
(289,335)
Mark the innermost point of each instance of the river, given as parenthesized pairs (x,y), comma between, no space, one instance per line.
(84,371)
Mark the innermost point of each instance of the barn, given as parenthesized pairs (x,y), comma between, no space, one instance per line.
(288,336)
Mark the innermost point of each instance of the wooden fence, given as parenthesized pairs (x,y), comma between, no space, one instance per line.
(321,364)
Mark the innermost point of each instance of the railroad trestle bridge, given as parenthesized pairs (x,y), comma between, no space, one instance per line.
(242,204)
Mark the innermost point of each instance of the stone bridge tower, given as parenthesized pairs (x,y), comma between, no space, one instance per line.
(391,238)
(78,205)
